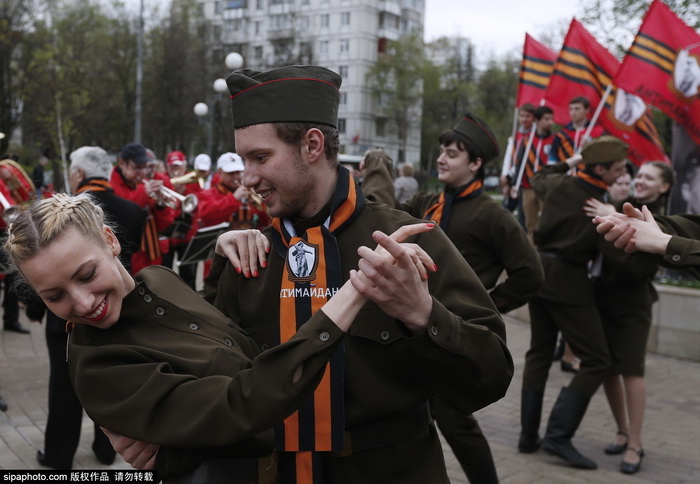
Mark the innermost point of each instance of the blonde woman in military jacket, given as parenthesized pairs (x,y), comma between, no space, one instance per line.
(150,359)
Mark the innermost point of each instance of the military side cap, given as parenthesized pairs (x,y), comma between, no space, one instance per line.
(479,133)
(604,149)
(291,94)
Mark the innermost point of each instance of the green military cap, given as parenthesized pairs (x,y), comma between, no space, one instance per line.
(604,150)
(290,94)
(478,132)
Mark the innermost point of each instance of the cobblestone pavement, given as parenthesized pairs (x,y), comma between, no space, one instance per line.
(672,422)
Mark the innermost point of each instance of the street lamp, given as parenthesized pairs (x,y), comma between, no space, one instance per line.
(205,111)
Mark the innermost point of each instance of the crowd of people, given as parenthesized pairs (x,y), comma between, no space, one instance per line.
(341,323)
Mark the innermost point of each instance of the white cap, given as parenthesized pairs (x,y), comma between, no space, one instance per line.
(202,162)
(230,162)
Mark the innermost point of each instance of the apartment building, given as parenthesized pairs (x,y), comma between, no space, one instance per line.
(346,36)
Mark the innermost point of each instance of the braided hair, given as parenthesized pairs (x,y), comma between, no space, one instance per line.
(38,226)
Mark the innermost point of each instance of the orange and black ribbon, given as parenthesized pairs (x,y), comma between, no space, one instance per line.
(440,210)
(94,185)
(312,274)
(592,180)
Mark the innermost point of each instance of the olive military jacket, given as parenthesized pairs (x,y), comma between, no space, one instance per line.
(175,371)
(491,240)
(486,234)
(462,356)
(566,237)
(683,249)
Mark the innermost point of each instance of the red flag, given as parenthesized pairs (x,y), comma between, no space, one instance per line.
(535,70)
(586,68)
(662,67)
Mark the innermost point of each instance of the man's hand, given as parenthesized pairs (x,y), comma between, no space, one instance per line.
(390,277)
(246,249)
(141,455)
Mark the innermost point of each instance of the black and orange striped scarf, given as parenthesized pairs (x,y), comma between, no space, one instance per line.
(440,210)
(592,180)
(94,185)
(312,274)
(149,239)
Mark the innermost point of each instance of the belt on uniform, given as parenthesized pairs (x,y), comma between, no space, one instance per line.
(386,432)
(214,471)
(550,254)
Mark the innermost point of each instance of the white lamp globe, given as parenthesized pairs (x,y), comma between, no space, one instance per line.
(220,85)
(201,109)
(234,61)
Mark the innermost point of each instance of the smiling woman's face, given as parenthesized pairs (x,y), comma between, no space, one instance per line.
(79,278)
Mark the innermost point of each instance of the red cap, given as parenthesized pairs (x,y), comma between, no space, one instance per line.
(176,158)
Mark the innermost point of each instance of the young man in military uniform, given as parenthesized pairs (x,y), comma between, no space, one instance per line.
(397,357)
(490,239)
(413,339)
(568,242)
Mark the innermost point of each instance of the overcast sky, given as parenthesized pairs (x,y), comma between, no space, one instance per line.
(495,26)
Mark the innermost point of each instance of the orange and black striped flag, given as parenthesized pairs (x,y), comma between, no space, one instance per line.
(585,68)
(535,70)
(662,67)
(312,274)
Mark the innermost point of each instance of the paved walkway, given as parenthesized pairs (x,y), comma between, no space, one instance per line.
(671,436)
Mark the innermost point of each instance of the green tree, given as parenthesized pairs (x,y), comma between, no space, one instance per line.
(396,84)
(495,92)
(178,73)
(615,22)
(14,18)
(448,91)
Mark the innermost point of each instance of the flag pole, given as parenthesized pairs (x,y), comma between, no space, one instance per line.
(508,157)
(596,115)
(523,162)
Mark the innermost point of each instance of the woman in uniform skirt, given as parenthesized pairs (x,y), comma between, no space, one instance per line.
(624,295)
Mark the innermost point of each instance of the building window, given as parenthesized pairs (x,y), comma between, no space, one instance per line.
(345,18)
(343,98)
(259,4)
(344,45)
(380,126)
(343,72)
(218,8)
(258,52)
(258,27)
(341,125)
(323,47)
(325,20)
(217,32)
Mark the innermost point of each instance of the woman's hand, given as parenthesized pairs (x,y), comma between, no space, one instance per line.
(140,455)
(594,207)
(246,249)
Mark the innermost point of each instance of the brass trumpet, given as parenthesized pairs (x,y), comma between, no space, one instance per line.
(256,200)
(9,211)
(190,177)
(170,198)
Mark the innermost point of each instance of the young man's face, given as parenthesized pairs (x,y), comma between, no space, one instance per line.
(454,167)
(525,119)
(545,123)
(577,113)
(275,170)
(609,175)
